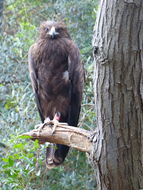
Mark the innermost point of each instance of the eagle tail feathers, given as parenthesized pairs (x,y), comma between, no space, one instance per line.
(55,155)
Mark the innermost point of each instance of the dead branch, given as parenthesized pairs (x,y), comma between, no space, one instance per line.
(63,134)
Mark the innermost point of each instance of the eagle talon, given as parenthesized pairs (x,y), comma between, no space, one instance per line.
(38,126)
(41,126)
(55,122)
(47,120)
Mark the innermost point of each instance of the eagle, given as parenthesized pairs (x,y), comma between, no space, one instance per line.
(57,77)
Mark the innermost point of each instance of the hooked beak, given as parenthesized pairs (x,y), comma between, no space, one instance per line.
(53,32)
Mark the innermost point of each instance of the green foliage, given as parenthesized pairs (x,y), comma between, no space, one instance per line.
(19,166)
(22,162)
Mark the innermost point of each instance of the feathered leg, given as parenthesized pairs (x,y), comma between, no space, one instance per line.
(56,121)
(55,154)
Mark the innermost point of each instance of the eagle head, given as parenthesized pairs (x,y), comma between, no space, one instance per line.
(53,30)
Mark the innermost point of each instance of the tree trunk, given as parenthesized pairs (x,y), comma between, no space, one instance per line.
(1,13)
(118,52)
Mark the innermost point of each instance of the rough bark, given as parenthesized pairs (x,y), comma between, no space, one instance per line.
(118,52)
(63,134)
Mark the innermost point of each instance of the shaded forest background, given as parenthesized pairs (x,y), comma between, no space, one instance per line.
(22,162)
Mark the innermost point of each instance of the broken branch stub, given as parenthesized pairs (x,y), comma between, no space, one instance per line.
(63,134)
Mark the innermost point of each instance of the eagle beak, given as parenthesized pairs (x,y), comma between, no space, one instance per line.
(53,32)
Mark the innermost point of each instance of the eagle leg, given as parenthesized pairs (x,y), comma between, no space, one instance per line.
(41,126)
(47,120)
(56,121)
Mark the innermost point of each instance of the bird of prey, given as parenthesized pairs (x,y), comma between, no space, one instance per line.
(56,72)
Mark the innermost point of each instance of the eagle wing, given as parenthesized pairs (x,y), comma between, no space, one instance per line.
(34,79)
(76,76)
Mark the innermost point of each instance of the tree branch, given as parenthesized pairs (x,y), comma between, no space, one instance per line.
(63,134)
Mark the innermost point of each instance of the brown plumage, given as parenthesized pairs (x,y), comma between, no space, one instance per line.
(57,79)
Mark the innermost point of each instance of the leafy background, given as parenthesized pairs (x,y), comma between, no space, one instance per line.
(22,162)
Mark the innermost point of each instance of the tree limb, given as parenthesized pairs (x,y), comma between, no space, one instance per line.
(63,134)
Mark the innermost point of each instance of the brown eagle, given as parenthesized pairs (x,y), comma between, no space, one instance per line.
(56,73)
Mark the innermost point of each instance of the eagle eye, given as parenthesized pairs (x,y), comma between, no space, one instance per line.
(59,29)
